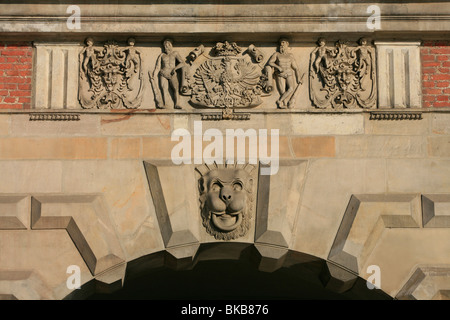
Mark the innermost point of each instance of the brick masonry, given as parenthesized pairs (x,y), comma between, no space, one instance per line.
(15,75)
(435,57)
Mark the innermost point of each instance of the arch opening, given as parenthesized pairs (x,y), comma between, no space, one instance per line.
(228,271)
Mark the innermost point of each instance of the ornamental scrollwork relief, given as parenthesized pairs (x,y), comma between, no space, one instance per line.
(110,77)
(342,76)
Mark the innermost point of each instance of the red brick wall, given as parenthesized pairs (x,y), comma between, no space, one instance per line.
(436,73)
(15,75)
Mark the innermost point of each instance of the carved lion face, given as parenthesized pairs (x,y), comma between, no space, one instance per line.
(225,195)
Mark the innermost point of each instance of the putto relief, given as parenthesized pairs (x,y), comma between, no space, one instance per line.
(110,76)
(342,76)
(226,199)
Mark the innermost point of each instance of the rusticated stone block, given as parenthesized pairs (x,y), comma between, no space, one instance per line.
(436,210)
(269,258)
(23,285)
(364,221)
(337,279)
(86,221)
(278,203)
(176,209)
(14,212)
(426,283)
(112,279)
(181,257)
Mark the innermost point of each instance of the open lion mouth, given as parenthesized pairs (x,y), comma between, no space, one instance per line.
(226,221)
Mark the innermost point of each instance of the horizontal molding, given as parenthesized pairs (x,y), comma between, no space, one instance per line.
(420,24)
(218,113)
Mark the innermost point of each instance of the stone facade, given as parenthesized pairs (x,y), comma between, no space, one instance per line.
(86,146)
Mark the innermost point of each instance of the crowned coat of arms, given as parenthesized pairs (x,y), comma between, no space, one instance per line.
(227,79)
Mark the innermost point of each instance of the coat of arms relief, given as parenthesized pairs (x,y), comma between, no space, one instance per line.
(227,79)
(111,76)
(343,76)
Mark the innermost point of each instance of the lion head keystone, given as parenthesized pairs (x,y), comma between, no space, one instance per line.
(226,196)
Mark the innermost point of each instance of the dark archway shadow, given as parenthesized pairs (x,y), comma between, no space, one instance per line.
(226,271)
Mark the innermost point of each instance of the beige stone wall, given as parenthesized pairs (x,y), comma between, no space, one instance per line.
(84,185)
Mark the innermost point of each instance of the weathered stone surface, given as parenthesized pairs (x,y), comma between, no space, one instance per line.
(281,122)
(380,146)
(440,123)
(53,148)
(418,175)
(125,148)
(328,186)
(5,124)
(137,124)
(439,146)
(313,147)
(22,252)
(327,124)
(158,147)
(17,175)
(124,186)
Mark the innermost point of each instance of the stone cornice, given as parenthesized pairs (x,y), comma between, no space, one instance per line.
(138,17)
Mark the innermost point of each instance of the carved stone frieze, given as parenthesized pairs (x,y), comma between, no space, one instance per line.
(110,77)
(226,197)
(227,79)
(343,76)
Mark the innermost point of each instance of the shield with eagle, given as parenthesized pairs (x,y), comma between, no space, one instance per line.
(227,80)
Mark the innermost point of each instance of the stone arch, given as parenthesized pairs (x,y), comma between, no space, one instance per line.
(245,273)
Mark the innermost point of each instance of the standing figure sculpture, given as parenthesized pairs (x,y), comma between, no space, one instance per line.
(166,68)
(287,74)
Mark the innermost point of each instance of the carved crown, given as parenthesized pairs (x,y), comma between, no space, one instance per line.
(226,49)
